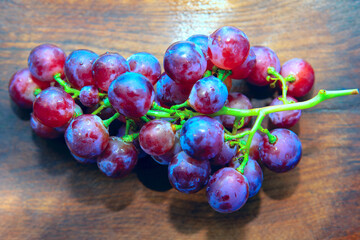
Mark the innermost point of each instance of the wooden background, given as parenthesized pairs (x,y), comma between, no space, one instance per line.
(45,194)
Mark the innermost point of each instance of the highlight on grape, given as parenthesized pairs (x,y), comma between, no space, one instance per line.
(185,117)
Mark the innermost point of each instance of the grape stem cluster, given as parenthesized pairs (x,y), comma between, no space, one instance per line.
(175,113)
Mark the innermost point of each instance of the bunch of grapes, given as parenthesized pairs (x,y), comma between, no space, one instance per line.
(184,117)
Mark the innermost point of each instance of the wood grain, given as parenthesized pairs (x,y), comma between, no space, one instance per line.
(45,194)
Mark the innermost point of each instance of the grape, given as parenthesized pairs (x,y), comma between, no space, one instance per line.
(131,94)
(54,107)
(87,136)
(89,96)
(284,154)
(41,130)
(284,119)
(45,61)
(208,95)
(78,68)
(303,73)
(244,70)
(226,154)
(254,175)
(227,191)
(228,47)
(239,101)
(145,64)
(118,159)
(22,86)
(170,93)
(184,62)
(265,57)
(157,137)
(83,160)
(165,159)
(107,68)
(202,137)
(202,41)
(188,175)
(77,112)
(254,146)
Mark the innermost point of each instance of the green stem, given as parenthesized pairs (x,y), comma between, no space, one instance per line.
(158,114)
(228,73)
(145,119)
(108,121)
(37,91)
(155,106)
(207,74)
(65,85)
(272,138)
(184,104)
(127,127)
(176,127)
(238,123)
(229,137)
(130,138)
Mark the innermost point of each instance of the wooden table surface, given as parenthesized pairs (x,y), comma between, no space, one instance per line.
(45,194)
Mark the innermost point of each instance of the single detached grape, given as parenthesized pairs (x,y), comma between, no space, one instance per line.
(43,131)
(118,159)
(244,70)
(284,154)
(254,175)
(254,147)
(22,86)
(107,68)
(166,158)
(54,107)
(228,47)
(184,62)
(157,137)
(131,94)
(227,191)
(239,101)
(187,174)
(202,137)
(208,95)
(89,96)
(87,136)
(83,160)
(145,64)
(225,156)
(284,119)
(45,61)
(304,76)
(202,41)
(265,57)
(78,68)
(170,93)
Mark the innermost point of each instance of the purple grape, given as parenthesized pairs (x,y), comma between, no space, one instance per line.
(228,47)
(118,159)
(227,191)
(78,68)
(107,68)
(89,96)
(244,70)
(170,93)
(202,41)
(188,175)
(145,64)
(42,130)
(83,160)
(45,61)
(157,137)
(208,95)
(254,175)
(226,154)
(202,137)
(265,57)
(184,62)
(284,119)
(22,86)
(166,158)
(304,76)
(131,94)
(239,101)
(77,112)
(284,154)
(54,107)
(86,136)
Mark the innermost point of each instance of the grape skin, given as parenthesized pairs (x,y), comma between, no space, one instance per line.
(166,158)
(245,69)
(202,137)
(118,159)
(89,96)
(254,175)
(227,191)
(208,95)
(188,175)
(284,119)
(87,136)
(42,130)
(284,154)
(239,101)
(225,156)
(145,64)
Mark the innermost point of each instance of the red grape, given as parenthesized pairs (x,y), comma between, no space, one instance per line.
(83,160)
(145,64)
(165,159)
(89,96)
(244,70)
(284,119)
(226,154)
(43,131)
(239,101)
(254,175)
